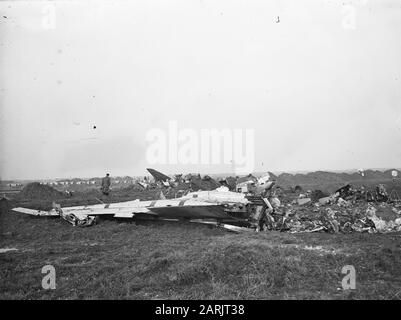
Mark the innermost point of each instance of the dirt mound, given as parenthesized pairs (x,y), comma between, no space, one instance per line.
(37,191)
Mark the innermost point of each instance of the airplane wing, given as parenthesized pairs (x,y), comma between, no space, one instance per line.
(171,208)
(51,213)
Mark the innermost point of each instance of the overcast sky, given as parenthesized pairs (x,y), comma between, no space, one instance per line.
(318,81)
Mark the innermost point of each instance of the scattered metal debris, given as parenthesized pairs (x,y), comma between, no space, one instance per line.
(257,204)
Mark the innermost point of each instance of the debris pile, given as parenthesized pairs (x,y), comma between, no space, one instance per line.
(345,211)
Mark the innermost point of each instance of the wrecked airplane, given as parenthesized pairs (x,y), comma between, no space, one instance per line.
(224,207)
(258,207)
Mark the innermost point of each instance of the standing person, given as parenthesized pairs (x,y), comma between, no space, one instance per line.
(4,209)
(106,185)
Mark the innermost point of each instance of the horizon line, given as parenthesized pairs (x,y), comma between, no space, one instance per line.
(275,172)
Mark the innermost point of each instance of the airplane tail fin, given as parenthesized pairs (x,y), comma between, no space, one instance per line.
(158,175)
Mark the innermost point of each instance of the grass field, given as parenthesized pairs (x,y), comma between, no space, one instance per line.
(161,260)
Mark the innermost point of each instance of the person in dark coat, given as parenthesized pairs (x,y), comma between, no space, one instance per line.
(4,209)
(106,185)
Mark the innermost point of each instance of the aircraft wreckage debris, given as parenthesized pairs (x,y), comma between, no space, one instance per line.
(255,204)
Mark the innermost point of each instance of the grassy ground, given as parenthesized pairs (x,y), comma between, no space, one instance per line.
(160,260)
